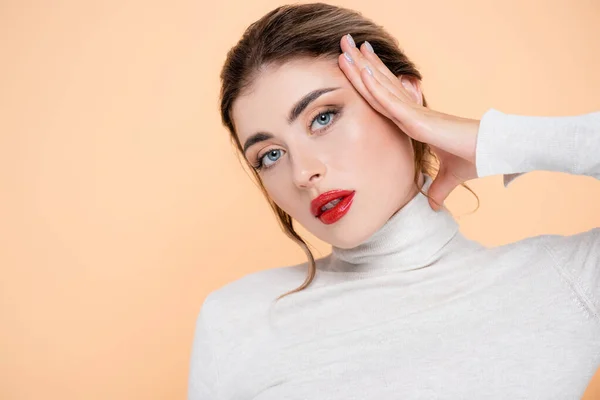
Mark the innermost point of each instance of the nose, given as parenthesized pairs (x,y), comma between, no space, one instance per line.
(308,170)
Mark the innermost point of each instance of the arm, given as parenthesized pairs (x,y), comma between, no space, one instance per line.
(204,376)
(513,145)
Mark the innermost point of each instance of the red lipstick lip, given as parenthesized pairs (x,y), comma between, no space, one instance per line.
(320,201)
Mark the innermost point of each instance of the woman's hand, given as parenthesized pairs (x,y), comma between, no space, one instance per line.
(453,139)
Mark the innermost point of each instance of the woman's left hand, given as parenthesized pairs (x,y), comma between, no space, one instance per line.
(452,138)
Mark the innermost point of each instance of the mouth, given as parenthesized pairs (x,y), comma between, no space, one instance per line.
(329,207)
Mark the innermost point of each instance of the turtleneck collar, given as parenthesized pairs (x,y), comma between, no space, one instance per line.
(409,240)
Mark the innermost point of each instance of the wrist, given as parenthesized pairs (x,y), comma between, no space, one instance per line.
(471,145)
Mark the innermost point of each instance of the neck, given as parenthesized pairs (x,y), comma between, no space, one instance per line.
(409,240)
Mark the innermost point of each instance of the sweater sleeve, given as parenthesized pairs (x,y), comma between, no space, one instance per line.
(204,375)
(512,145)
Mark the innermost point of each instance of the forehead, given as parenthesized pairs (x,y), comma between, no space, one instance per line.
(276,89)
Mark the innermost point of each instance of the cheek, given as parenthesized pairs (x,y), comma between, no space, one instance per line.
(279,187)
(376,145)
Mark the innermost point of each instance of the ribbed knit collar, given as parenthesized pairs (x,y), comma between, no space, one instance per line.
(409,240)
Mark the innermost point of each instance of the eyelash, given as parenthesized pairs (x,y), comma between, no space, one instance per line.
(333,111)
(258,164)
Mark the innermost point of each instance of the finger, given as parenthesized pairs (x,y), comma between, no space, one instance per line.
(369,54)
(440,189)
(353,74)
(381,72)
(396,109)
(351,68)
(397,99)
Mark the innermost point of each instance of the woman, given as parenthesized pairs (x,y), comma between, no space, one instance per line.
(340,139)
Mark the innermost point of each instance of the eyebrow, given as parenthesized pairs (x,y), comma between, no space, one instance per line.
(295,112)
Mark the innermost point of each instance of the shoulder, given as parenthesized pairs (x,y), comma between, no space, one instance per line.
(261,285)
(580,249)
(558,249)
(250,296)
(564,248)
(576,252)
(554,242)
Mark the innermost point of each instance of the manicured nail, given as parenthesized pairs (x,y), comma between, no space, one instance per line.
(369,47)
(405,82)
(369,70)
(350,40)
(349,58)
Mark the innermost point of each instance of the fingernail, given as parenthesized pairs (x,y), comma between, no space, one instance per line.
(369,47)
(369,70)
(350,40)
(349,58)
(405,82)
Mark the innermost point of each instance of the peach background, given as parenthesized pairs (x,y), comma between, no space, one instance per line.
(122,203)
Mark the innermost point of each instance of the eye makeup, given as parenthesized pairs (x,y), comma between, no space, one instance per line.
(333,112)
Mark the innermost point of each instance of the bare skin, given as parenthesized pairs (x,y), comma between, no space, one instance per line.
(311,126)
(452,138)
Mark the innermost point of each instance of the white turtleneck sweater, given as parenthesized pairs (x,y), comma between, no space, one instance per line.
(418,311)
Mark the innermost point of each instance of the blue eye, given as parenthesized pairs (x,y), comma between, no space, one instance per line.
(323,120)
(272,156)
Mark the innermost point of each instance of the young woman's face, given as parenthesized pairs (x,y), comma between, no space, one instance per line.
(308,132)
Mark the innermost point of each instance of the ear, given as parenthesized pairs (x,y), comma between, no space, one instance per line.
(413,86)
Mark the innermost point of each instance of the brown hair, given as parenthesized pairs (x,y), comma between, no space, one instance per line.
(309,30)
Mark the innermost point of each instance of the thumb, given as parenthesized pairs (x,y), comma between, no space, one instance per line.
(440,188)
